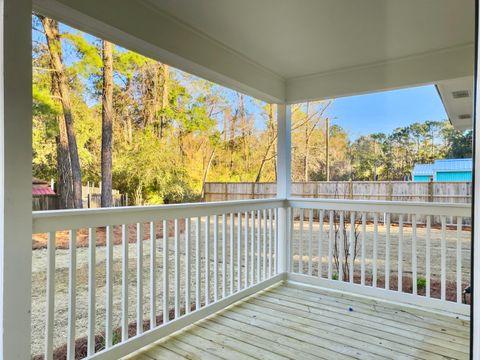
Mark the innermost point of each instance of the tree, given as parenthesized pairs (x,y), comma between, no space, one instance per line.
(60,86)
(107,124)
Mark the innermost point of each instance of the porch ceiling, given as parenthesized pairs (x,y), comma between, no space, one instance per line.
(281,50)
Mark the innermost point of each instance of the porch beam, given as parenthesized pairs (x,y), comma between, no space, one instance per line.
(15,178)
(284,180)
(422,69)
(141,27)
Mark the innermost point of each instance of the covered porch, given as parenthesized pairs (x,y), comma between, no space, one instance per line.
(273,278)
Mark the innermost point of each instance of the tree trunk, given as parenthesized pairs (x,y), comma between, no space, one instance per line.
(54,45)
(107,123)
(64,186)
(164,107)
(207,169)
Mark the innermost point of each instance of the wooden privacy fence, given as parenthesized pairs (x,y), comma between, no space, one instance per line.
(408,191)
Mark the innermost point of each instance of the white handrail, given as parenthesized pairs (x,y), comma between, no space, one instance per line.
(45,221)
(393,207)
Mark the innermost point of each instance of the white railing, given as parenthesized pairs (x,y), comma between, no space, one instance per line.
(149,271)
(125,277)
(395,250)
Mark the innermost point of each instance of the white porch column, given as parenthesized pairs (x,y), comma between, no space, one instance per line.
(475,336)
(284,182)
(15,178)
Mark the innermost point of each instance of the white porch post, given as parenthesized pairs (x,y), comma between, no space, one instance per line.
(284,155)
(15,178)
(475,336)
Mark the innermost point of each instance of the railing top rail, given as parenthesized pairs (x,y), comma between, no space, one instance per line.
(394,207)
(55,220)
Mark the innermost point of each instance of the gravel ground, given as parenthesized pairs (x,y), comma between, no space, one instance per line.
(62,259)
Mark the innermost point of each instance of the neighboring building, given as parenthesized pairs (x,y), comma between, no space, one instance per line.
(444,170)
(41,187)
(422,172)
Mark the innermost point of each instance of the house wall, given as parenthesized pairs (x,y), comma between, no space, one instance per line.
(421,178)
(454,176)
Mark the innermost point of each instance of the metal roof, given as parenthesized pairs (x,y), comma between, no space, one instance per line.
(453,165)
(423,169)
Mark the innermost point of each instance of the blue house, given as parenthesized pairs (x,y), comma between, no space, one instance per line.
(444,170)
(422,172)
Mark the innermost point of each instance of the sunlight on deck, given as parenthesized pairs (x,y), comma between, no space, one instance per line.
(296,322)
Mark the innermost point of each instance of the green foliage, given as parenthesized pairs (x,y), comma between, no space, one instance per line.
(173,131)
(421,283)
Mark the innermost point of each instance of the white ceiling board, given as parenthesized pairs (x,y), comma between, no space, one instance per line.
(285,50)
(303,37)
(136,26)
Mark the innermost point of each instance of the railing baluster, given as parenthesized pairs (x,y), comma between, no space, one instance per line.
(340,244)
(310,240)
(375,250)
(239,251)
(414,254)
(427,256)
(259,232)
(109,288)
(387,252)
(177,268)
(153,276)
(50,310)
(224,256)
(362,266)
(166,286)
(215,258)
(252,249)
(232,273)
(276,241)
(207,261)
(92,262)
(400,253)
(300,244)
(188,270)
(443,260)
(125,239)
(320,242)
(197,264)
(72,276)
(139,278)
(330,244)
(270,220)
(290,223)
(350,245)
(264,252)
(246,249)
(459,259)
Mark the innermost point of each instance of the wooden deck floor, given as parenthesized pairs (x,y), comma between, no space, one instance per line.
(293,322)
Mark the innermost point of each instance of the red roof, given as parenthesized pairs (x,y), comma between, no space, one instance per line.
(42,190)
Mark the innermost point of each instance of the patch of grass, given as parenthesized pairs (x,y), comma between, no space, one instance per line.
(335,276)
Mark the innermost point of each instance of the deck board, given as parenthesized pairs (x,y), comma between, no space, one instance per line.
(292,322)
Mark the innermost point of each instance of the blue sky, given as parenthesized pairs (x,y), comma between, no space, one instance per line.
(386,111)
